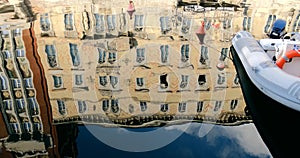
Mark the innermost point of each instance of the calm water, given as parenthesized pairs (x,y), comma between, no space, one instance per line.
(114,78)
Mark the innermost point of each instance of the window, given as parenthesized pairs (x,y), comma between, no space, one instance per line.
(227,23)
(33,106)
(164,52)
(204,55)
(45,22)
(140,55)
(16,83)
(143,106)
(15,127)
(184,81)
(185,52)
(138,22)
(165,24)
(17,32)
(111,22)
(61,107)
(221,79)
(200,106)
(57,81)
(223,54)
(112,56)
(27,126)
(20,53)
(37,126)
(69,22)
(186,25)
(74,54)
(78,80)
(113,81)
(217,105)
(20,105)
(103,80)
(7,104)
(247,23)
(140,82)
(233,104)
(182,107)
(164,107)
(51,55)
(81,106)
(102,56)
(201,80)
(105,105)
(163,81)
(269,23)
(99,20)
(114,106)
(3,84)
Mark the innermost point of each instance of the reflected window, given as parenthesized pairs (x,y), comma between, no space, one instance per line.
(112,57)
(16,83)
(201,80)
(68,19)
(3,84)
(78,80)
(103,80)
(27,126)
(111,22)
(17,32)
(115,105)
(138,22)
(247,23)
(221,78)
(236,80)
(102,56)
(186,25)
(58,83)
(20,105)
(271,19)
(143,106)
(37,126)
(7,54)
(100,25)
(15,128)
(51,55)
(184,81)
(140,55)
(185,49)
(105,105)
(140,82)
(61,107)
(131,108)
(200,106)
(28,83)
(45,22)
(164,107)
(204,55)
(227,23)
(223,54)
(218,105)
(182,107)
(165,24)
(33,106)
(296,25)
(207,23)
(163,81)
(233,104)
(74,54)
(7,104)
(113,81)
(20,53)
(164,53)
(81,106)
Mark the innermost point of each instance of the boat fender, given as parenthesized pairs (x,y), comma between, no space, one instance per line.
(286,57)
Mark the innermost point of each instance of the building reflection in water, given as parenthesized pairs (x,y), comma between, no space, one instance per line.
(90,63)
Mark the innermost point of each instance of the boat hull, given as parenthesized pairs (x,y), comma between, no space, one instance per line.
(277,124)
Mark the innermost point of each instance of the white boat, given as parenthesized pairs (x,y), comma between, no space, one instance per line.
(273,65)
(270,84)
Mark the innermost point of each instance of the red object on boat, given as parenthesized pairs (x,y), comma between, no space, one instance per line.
(287,56)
